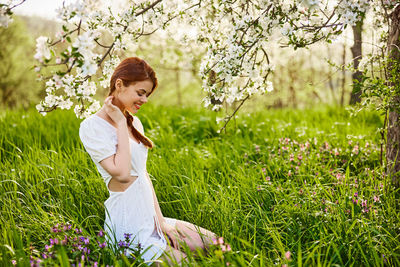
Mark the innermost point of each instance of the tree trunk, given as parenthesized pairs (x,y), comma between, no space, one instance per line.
(357,55)
(330,80)
(343,81)
(393,130)
(178,86)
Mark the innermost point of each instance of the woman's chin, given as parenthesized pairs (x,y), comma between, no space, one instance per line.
(132,110)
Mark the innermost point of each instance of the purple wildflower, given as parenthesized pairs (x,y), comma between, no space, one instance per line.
(53,241)
(102,245)
(127,236)
(86,250)
(101,233)
(122,244)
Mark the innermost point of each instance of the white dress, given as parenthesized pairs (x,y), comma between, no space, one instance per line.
(132,211)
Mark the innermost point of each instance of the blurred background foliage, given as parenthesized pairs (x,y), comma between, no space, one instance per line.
(302,78)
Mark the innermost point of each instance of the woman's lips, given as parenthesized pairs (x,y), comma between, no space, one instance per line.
(137,106)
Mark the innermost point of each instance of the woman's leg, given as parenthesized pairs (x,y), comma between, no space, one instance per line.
(170,257)
(196,237)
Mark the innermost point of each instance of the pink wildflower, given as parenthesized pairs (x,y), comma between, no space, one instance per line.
(336,152)
(326,145)
(364,203)
(307,144)
(287,255)
(355,150)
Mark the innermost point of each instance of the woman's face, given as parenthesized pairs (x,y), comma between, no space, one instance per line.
(133,96)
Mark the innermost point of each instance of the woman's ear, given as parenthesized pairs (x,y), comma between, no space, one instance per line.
(118,85)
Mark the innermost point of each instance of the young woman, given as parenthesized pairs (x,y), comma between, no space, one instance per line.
(115,140)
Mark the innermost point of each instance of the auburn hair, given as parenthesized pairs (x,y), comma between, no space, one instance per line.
(130,70)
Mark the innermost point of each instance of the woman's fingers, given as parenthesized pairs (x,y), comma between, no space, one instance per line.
(108,101)
(181,233)
(174,238)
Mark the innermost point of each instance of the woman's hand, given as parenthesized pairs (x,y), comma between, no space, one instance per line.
(173,233)
(113,111)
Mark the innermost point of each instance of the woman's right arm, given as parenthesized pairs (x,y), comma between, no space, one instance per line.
(119,164)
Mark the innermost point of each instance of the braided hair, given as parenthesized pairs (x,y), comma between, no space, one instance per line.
(133,69)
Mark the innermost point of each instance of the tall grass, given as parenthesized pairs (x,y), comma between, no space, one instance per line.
(305,184)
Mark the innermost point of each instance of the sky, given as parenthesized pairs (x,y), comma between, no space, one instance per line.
(42,8)
(47,8)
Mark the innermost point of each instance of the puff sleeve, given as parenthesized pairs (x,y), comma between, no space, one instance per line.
(98,141)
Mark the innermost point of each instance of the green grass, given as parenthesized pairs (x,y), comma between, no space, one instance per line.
(216,181)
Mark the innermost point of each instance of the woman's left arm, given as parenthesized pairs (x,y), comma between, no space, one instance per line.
(165,227)
(156,205)
(170,231)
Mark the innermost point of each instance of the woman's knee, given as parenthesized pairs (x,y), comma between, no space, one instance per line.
(171,256)
(196,236)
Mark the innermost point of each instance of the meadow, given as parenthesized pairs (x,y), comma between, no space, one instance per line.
(283,187)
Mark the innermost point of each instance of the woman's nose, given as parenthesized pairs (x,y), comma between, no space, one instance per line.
(144,99)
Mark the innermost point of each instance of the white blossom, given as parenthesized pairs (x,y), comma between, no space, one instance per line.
(235,42)
(42,50)
(5,19)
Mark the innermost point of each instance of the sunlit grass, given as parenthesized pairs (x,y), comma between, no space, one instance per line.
(307,182)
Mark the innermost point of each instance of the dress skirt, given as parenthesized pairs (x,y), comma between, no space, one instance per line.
(156,244)
(132,212)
